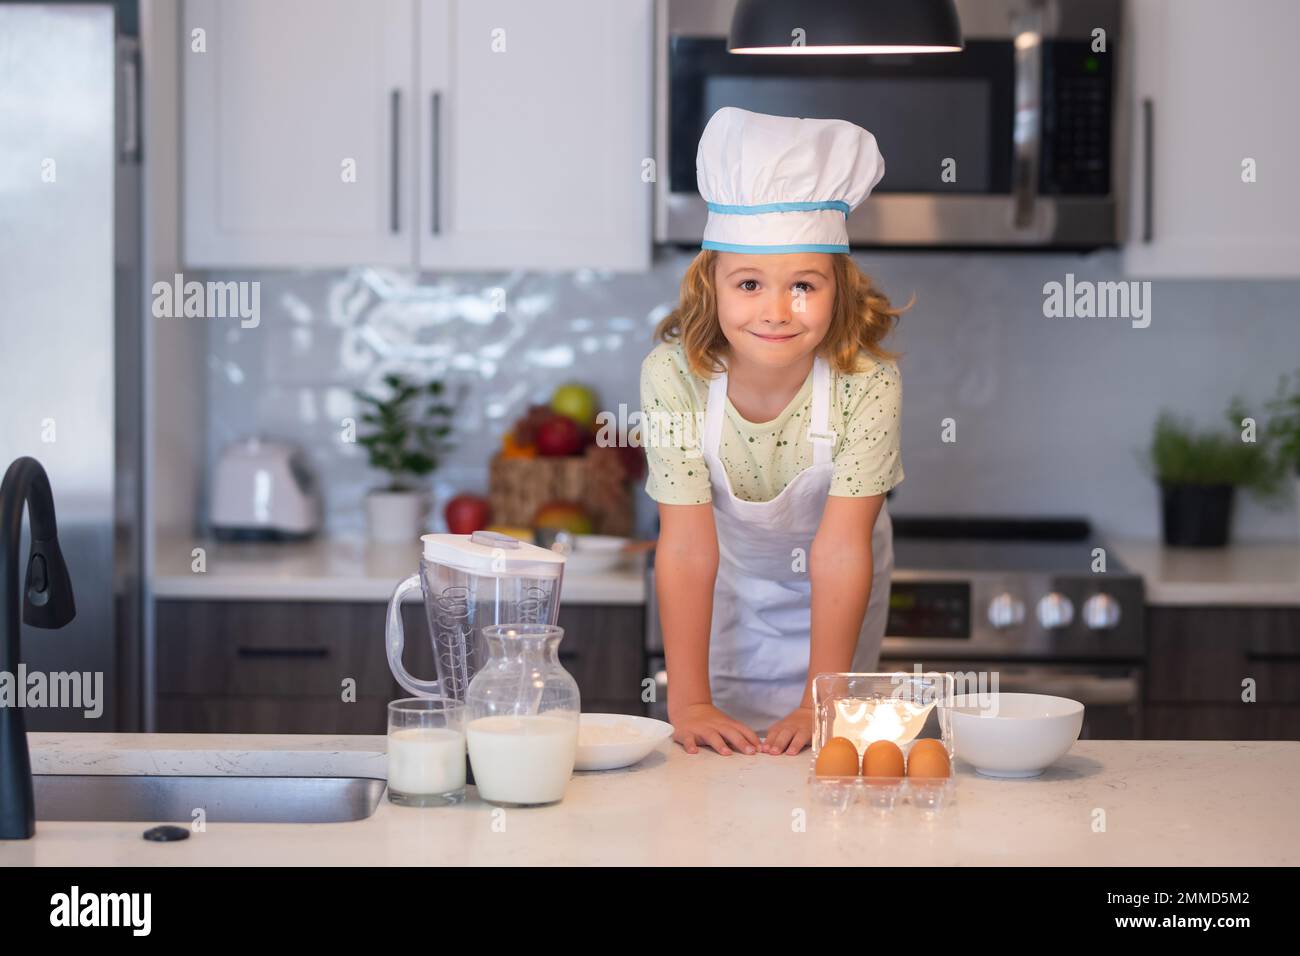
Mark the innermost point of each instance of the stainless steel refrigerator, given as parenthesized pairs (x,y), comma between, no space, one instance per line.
(70,328)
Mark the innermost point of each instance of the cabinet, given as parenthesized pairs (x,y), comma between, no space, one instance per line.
(297,132)
(1210,91)
(278,667)
(443,134)
(1198,659)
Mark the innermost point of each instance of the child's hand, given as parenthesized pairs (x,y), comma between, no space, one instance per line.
(705,724)
(790,734)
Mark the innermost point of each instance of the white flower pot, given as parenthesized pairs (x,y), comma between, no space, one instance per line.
(395,516)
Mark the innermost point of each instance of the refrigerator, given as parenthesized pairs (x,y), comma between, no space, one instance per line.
(71,346)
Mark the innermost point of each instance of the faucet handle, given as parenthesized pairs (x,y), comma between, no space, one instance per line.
(47,594)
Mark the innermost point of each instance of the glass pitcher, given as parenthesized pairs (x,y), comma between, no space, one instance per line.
(521,717)
(471,581)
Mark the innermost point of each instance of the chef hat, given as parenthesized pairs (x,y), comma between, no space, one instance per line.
(778,184)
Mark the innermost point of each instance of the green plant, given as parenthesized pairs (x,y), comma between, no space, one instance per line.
(1182,454)
(1284,423)
(408,430)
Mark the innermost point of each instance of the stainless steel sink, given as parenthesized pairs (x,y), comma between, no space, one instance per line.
(224,799)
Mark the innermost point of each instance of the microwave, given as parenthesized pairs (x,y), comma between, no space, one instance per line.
(1017,142)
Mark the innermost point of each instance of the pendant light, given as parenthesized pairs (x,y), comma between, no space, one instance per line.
(807,27)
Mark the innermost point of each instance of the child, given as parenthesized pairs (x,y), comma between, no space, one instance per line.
(775,548)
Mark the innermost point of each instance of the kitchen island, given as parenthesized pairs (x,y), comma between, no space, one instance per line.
(1106,803)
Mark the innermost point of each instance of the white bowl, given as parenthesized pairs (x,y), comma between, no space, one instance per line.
(594,553)
(636,738)
(1014,735)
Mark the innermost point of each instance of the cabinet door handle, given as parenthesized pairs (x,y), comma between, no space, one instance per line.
(435,147)
(283,652)
(1274,657)
(395,160)
(1148,170)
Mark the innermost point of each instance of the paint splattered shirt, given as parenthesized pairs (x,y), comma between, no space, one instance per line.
(762,458)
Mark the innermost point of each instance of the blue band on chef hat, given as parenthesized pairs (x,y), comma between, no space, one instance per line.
(766,207)
(774,250)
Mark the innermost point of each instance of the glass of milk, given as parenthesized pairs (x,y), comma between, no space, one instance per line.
(426,751)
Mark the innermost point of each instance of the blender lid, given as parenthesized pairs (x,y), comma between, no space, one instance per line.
(487,552)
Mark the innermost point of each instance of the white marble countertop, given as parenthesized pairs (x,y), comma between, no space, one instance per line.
(337,569)
(1247,574)
(1106,803)
(353,569)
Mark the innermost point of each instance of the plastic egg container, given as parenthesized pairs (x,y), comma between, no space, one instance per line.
(864,708)
(882,794)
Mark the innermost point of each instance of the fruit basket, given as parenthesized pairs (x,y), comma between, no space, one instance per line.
(596,482)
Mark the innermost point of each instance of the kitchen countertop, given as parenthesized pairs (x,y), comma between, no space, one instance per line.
(1165,803)
(353,569)
(1247,574)
(337,569)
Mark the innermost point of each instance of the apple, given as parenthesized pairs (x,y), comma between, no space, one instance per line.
(558,436)
(576,402)
(466,514)
(563,516)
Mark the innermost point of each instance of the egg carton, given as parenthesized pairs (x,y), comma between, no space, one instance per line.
(882,794)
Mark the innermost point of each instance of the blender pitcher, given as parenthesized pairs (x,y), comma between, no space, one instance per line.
(471,581)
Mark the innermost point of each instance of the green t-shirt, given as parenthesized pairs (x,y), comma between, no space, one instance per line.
(761,459)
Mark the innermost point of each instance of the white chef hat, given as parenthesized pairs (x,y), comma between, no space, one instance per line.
(778,184)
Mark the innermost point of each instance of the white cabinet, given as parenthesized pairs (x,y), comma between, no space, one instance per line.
(298,132)
(544,123)
(481,134)
(1215,85)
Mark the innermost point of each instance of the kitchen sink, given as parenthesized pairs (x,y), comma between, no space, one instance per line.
(224,799)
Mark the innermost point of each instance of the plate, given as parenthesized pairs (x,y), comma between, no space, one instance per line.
(594,553)
(643,736)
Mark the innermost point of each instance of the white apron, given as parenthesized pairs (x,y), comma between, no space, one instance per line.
(762,603)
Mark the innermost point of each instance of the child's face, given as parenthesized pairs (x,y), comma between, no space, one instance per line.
(774,309)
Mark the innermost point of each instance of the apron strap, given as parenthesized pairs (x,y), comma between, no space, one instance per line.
(713,415)
(819,431)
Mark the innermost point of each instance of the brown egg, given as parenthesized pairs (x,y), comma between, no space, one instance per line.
(928,743)
(882,759)
(838,758)
(928,761)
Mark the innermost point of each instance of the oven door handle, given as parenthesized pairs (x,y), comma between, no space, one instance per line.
(1087,690)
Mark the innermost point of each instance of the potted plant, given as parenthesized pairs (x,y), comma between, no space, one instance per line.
(406,436)
(1284,428)
(1199,472)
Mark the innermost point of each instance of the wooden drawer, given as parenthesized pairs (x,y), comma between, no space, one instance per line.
(252,648)
(279,667)
(1203,654)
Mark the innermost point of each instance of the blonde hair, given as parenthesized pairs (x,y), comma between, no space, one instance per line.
(860,318)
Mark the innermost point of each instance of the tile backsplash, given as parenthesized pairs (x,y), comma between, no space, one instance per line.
(1051,413)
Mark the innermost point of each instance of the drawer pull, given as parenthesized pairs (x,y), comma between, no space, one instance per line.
(284,652)
(1274,657)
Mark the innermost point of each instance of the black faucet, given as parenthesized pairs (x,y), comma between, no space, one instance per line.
(47,603)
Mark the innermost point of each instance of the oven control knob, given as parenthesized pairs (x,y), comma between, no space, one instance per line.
(1055,611)
(1006,611)
(1101,612)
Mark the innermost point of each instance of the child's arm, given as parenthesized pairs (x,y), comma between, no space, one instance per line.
(841,568)
(686,567)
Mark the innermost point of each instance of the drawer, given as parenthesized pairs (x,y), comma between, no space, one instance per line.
(251,648)
(1204,654)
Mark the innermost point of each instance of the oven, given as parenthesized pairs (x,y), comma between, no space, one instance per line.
(1015,142)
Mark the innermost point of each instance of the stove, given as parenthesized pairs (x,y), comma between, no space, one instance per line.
(1037,605)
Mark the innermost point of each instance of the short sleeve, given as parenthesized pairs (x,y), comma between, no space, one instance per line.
(671,429)
(868,460)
